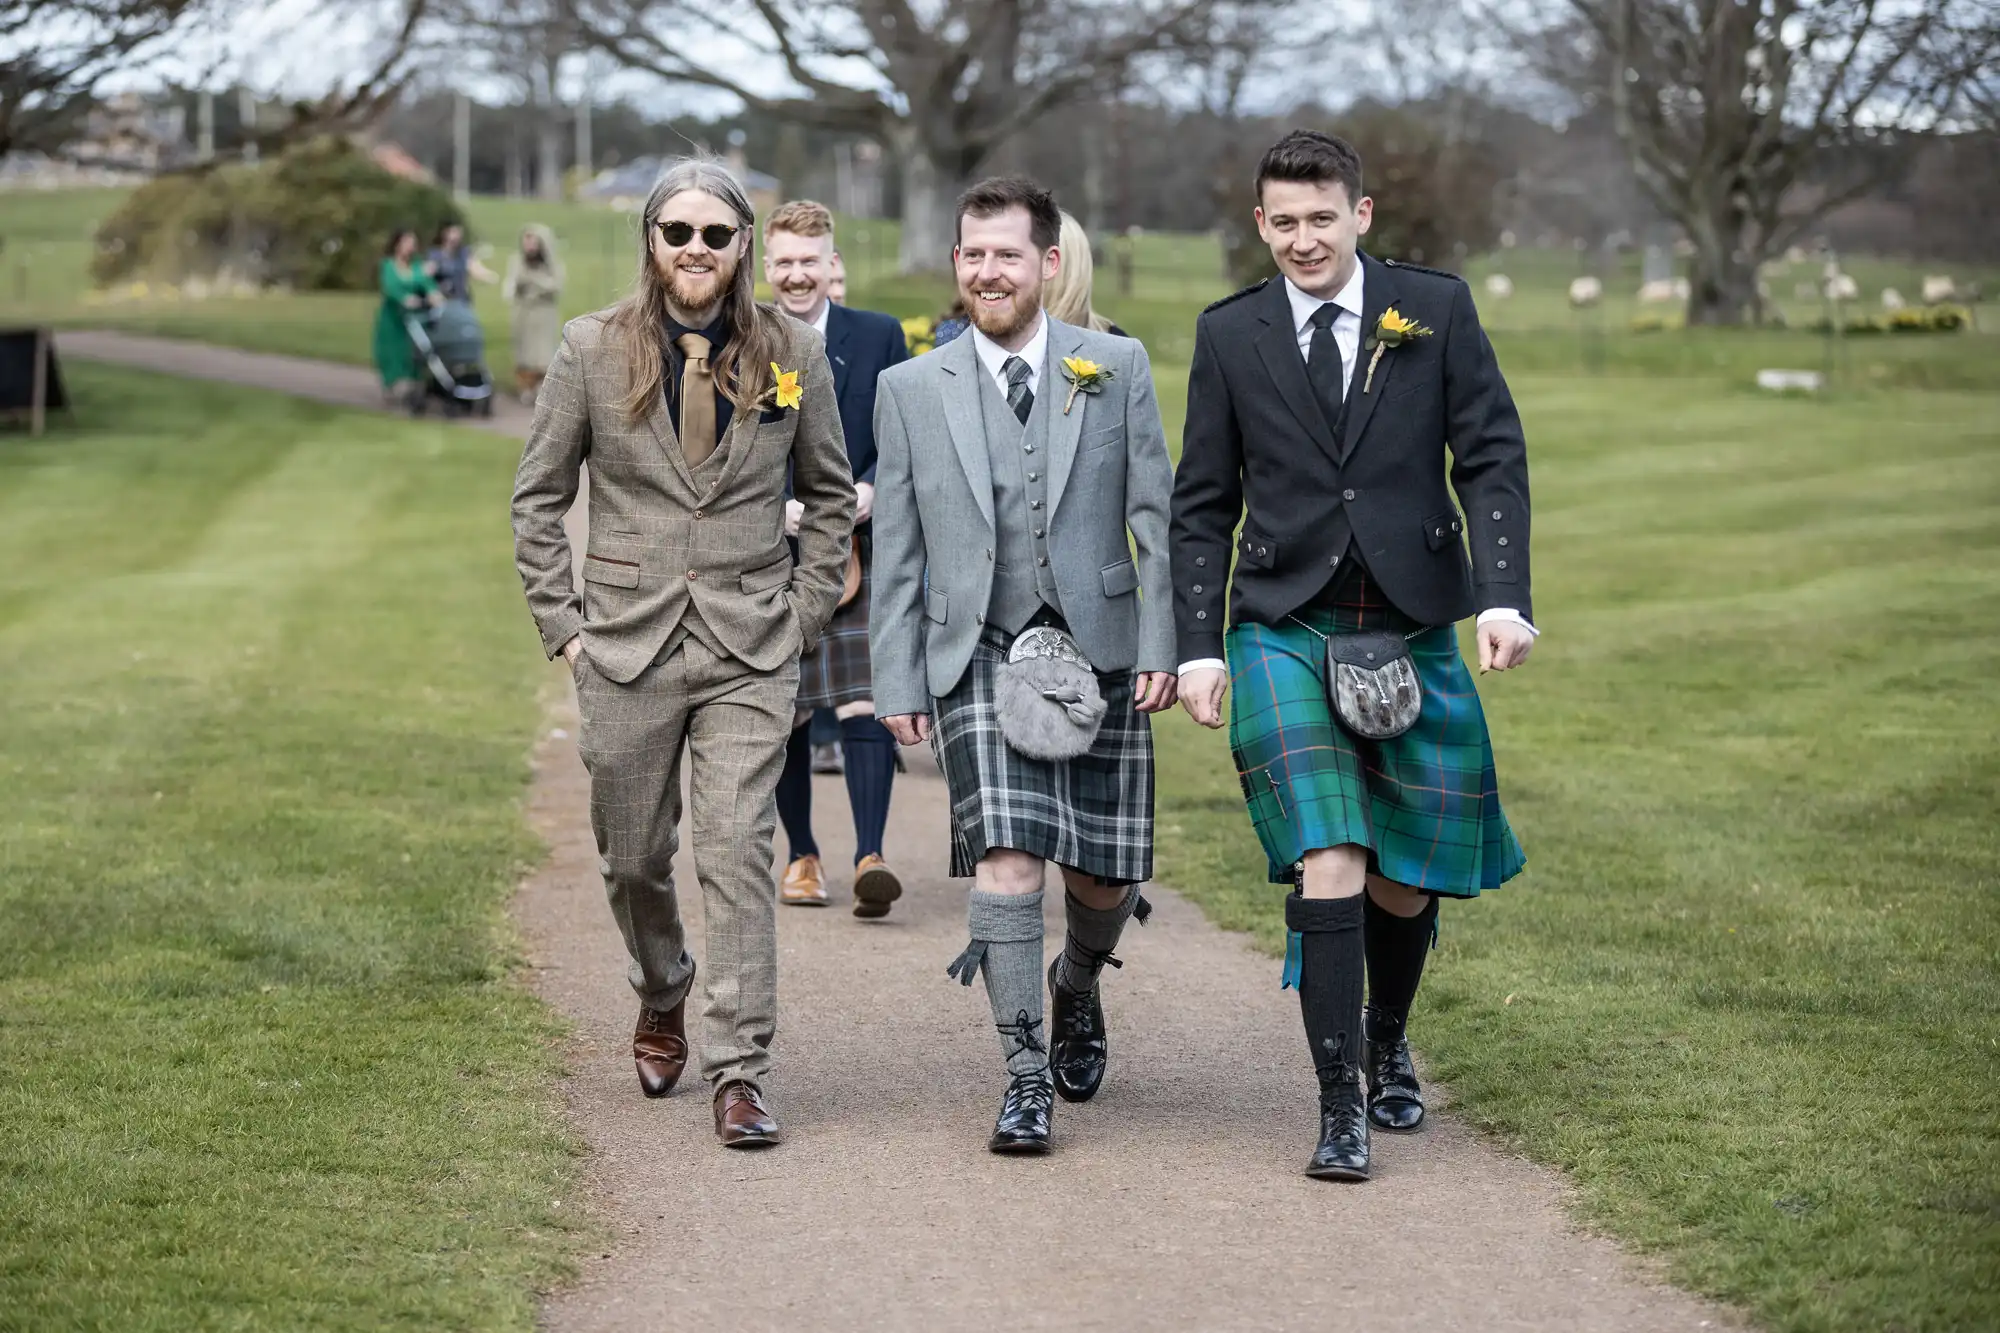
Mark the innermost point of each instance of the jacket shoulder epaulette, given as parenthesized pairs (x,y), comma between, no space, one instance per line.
(1407,267)
(1257,286)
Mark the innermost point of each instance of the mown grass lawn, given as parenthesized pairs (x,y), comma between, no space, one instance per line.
(268,700)
(1746,993)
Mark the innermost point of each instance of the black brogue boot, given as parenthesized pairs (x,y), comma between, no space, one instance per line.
(1079,1047)
(1395,1097)
(1029,1106)
(1342,1153)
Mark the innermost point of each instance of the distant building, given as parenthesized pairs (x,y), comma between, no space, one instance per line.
(626,186)
(393,159)
(129,132)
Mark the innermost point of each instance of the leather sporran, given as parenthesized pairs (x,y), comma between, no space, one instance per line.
(1372,682)
(1046,697)
(850,581)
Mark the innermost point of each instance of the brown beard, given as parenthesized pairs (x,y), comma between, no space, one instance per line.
(681,289)
(1022,311)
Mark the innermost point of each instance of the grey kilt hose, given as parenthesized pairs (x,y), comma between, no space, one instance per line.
(836,671)
(732,721)
(1093,813)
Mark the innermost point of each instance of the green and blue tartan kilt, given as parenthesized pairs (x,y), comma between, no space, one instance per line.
(1426,804)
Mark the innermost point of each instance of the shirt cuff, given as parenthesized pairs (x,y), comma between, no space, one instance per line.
(1509,614)
(1204,664)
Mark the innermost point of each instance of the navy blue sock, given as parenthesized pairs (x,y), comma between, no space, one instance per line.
(795,794)
(870,752)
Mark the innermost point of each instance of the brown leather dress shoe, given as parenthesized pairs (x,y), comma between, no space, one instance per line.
(803,886)
(875,887)
(741,1118)
(660,1048)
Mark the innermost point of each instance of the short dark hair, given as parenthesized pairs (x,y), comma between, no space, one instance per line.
(997,194)
(1312,157)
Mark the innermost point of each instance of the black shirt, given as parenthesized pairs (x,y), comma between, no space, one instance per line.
(717,334)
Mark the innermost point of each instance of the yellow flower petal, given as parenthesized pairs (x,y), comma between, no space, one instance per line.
(789,392)
(1081,368)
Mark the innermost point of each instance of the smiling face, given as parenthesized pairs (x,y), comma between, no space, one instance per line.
(1313,230)
(1000,273)
(800,271)
(697,277)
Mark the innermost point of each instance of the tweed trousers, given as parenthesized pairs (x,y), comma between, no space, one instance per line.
(732,721)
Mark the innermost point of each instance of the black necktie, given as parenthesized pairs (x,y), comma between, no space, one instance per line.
(1323,365)
(1019,396)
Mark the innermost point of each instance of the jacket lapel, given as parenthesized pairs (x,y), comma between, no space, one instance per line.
(960,390)
(1378,293)
(1065,429)
(662,424)
(1278,344)
(838,327)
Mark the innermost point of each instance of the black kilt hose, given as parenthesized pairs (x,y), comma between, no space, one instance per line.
(1093,813)
(836,671)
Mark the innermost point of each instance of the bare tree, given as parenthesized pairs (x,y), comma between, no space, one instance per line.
(1748,121)
(940,85)
(522,43)
(60,51)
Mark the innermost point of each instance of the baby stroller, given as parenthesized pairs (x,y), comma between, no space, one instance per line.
(451,346)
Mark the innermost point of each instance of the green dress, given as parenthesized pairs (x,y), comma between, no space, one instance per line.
(394,357)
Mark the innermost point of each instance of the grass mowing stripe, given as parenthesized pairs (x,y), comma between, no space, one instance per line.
(1746,992)
(261,1061)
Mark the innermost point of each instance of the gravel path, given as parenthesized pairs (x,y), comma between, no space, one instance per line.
(1173,1201)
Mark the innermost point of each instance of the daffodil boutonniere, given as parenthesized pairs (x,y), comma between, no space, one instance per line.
(1392,330)
(1084,377)
(785,389)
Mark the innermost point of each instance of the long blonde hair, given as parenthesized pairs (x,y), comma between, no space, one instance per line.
(756,331)
(1068,294)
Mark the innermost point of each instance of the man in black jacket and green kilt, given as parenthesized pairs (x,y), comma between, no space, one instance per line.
(1321,406)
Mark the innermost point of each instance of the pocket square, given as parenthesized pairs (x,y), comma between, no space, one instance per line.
(770,414)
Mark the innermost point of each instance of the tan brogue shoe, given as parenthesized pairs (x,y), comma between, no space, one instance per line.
(803,886)
(741,1118)
(660,1048)
(875,887)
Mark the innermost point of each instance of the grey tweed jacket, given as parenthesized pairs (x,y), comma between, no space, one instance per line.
(660,540)
(1110,482)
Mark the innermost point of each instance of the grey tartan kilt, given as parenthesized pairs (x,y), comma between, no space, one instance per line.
(1093,813)
(836,671)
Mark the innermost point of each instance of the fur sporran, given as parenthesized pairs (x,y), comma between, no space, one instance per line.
(1046,697)
(1371,680)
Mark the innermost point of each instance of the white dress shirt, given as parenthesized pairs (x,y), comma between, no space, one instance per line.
(819,320)
(994,357)
(1347,337)
(1346,326)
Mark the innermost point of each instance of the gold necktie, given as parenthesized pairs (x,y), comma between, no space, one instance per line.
(697,424)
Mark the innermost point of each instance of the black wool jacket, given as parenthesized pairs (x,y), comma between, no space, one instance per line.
(1258,450)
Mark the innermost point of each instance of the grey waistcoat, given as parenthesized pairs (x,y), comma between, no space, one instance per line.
(1023,580)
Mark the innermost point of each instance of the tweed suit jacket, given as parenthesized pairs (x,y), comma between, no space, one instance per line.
(661,540)
(1110,482)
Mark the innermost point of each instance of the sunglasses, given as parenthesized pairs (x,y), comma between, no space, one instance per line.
(715,235)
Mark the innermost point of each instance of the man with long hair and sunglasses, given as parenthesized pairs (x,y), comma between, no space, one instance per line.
(691,402)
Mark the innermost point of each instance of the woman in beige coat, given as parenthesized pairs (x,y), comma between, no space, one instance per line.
(533,287)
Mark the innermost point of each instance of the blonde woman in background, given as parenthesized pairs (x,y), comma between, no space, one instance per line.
(1067,297)
(533,286)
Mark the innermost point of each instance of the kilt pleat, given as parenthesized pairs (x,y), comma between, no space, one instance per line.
(1426,804)
(837,671)
(1093,813)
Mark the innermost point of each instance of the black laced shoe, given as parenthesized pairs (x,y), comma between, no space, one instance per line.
(1342,1153)
(1023,1126)
(1079,1050)
(1395,1098)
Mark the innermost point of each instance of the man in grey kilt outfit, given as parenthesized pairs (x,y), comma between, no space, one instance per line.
(1019,469)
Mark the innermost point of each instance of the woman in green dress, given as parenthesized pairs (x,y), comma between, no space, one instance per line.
(405,287)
